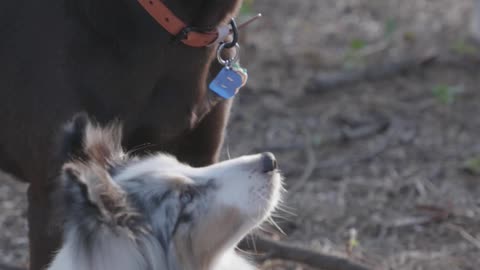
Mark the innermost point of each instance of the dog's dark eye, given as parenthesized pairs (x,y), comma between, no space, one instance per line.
(184,217)
(186,197)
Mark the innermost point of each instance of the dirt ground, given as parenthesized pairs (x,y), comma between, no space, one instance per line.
(395,161)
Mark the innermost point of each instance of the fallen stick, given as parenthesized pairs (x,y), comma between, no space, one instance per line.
(282,251)
(325,81)
(467,236)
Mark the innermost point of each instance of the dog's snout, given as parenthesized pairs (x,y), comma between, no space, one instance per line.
(269,162)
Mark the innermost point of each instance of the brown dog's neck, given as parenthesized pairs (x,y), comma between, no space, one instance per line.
(204,14)
(126,18)
(121,31)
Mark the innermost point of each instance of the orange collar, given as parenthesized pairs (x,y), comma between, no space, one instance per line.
(175,26)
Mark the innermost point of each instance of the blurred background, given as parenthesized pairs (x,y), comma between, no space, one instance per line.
(373,110)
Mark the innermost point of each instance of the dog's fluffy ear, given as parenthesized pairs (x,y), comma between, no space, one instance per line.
(84,140)
(89,184)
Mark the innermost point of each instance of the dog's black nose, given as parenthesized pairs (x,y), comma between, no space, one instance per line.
(269,162)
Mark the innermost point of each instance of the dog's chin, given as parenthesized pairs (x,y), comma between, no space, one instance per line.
(264,197)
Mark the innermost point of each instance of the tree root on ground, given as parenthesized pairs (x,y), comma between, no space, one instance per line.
(277,250)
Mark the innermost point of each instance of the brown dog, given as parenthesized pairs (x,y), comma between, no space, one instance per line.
(111,59)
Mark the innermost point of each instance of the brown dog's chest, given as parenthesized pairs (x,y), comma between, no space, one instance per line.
(157,92)
(167,117)
(160,118)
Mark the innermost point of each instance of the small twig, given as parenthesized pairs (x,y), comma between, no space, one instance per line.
(364,131)
(467,236)
(438,213)
(249,21)
(375,48)
(409,221)
(282,251)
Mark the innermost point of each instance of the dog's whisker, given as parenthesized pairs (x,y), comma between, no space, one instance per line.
(254,244)
(272,221)
(139,148)
(261,196)
(246,252)
(228,152)
(281,217)
(280,208)
(266,230)
(251,237)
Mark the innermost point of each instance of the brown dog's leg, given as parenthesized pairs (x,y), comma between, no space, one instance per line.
(44,238)
(202,146)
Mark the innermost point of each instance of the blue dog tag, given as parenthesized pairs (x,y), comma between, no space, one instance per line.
(228,81)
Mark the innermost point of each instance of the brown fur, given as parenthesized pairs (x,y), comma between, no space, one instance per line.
(100,150)
(103,145)
(110,59)
(101,190)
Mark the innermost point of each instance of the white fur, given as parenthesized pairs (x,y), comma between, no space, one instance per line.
(111,252)
(243,184)
(240,184)
(67,258)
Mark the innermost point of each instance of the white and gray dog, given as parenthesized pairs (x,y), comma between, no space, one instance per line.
(155,213)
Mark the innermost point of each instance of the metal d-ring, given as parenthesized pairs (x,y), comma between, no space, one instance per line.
(234,30)
(229,61)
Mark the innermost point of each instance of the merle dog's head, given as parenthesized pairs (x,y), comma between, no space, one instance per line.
(154,212)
